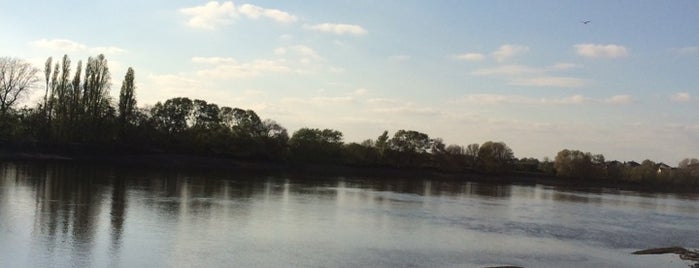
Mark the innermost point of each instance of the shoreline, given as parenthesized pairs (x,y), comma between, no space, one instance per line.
(189,162)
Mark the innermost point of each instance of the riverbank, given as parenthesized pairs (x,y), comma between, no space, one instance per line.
(185,162)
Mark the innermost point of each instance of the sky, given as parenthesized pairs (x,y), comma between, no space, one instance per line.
(529,73)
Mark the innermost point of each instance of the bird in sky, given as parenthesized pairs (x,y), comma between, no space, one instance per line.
(586,21)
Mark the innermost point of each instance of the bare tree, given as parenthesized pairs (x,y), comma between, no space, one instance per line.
(17,77)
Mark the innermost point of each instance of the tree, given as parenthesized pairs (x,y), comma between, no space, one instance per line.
(495,157)
(410,141)
(454,149)
(47,75)
(96,88)
(527,164)
(171,117)
(687,162)
(17,78)
(381,143)
(204,116)
(127,100)
(546,166)
(275,139)
(647,171)
(472,154)
(315,145)
(76,95)
(437,146)
(573,163)
(409,148)
(61,100)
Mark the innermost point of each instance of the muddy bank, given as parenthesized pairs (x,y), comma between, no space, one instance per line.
(684,254)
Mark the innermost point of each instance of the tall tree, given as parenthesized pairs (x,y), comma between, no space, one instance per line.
(96,88)
(409,147)
(410,141)
(472,154)
(17,77)
(495,157)
(127,100)
(61,98)
(573,163)
(381,143)
(75,94)
(171,117)
(47,75)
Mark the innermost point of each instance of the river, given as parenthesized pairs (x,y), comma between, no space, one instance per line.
(66,215)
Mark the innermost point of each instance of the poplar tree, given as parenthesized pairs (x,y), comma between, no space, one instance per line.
(127,100)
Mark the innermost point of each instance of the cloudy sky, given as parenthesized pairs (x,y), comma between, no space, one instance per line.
(529,73)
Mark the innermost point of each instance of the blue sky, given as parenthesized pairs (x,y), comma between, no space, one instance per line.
(528,73)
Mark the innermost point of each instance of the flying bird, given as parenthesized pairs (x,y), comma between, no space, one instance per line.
(586,21)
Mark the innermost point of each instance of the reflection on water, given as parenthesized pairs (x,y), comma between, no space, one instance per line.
(66,215)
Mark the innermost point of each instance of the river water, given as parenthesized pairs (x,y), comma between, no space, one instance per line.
(58,215)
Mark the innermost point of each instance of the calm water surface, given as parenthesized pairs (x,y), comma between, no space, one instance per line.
(73,216)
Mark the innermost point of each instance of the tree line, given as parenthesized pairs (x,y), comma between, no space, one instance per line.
(77,110)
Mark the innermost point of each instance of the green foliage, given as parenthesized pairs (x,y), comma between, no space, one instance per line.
(527,164)
(580,165)
(78,110)
(171,117)
(495,157)
(410,141)
(127,102)
(573,163)
(315,145)
(361,154)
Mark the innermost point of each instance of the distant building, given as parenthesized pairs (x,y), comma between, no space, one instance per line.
(663,168)
(632,164)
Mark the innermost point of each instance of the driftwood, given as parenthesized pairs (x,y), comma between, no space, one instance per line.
(685,254)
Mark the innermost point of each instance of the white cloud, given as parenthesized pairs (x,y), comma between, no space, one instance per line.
(681,97)
(505,52)
(470,57)
(687,50)
(286,37)
(165,86)
(385,101)
(601,51)
(360,92)
(211,15)
(59,45)
(520,75)
(509,70)
(223,68)
(575,99)
(549,81)
(254,12)
(495,99)
(297,59)
(214,60)
(339,29)
(400,58)
(106,50)
(319,100)
(564,66)
(396,107)
(69,46)
(619,99)
(407,110)
(305,52)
